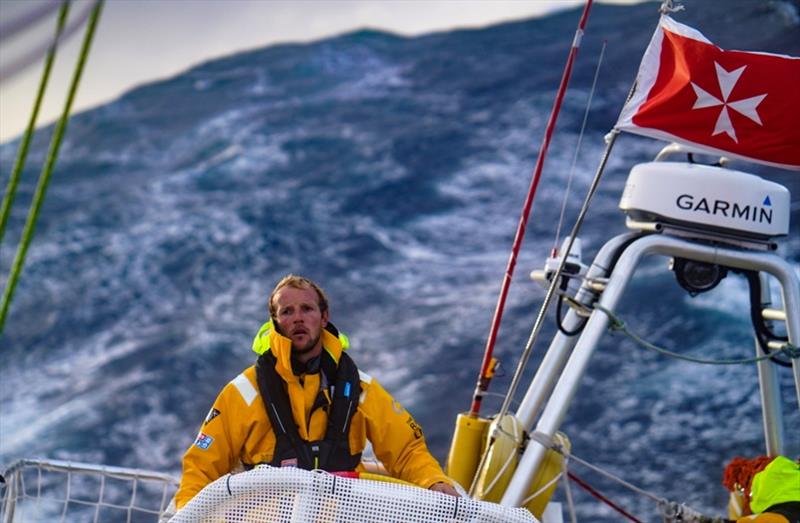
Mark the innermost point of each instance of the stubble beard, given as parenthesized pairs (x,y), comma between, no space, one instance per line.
(308,347)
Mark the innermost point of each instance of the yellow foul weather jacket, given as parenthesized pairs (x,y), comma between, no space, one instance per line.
(238,432)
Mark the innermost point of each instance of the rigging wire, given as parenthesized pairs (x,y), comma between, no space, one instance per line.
(551,290)
(507,463)
(611,139)
(670,510)
(578,147)
(594,492)
(13,180)
(547,441)
(557,241)
(547,485)
(47,170)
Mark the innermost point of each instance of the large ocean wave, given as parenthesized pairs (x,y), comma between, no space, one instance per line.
(392,171)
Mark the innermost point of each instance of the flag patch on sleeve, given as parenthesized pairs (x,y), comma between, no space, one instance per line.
(203,441)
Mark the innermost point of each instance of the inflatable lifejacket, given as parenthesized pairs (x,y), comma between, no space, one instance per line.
(340,388)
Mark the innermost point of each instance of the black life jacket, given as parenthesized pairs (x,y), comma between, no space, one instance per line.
(332,453)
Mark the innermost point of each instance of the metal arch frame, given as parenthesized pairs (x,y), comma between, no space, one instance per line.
(564,376)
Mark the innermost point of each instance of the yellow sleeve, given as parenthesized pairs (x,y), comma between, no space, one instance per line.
(217,447)
(397,438)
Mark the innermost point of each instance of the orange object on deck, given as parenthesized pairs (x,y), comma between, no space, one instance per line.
(739,474)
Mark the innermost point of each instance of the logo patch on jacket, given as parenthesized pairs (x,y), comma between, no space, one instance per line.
(203,441)
(291,462)
(213,413)
(415,427)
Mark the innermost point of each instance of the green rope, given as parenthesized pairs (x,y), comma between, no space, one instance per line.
(11,189)
(44,178)
(617,324)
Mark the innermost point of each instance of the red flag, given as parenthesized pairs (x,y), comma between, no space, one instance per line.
(734,103)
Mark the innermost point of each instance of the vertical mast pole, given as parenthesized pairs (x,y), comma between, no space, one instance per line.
(485,375)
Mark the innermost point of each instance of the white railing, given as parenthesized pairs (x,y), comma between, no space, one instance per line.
(300,496)
(62,491)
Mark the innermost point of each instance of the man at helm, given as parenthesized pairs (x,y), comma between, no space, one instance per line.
(297,403)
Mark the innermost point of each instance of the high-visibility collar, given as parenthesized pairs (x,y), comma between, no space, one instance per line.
(268,339)
(778,483)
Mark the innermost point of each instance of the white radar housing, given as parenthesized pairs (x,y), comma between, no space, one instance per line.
(707,198)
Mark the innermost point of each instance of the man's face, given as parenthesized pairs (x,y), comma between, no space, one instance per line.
(300,319)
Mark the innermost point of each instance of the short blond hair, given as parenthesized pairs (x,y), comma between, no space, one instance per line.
(297,282)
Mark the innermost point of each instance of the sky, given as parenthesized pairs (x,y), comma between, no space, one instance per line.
(141,41)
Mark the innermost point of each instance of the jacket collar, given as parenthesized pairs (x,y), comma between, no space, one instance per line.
(268,339)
